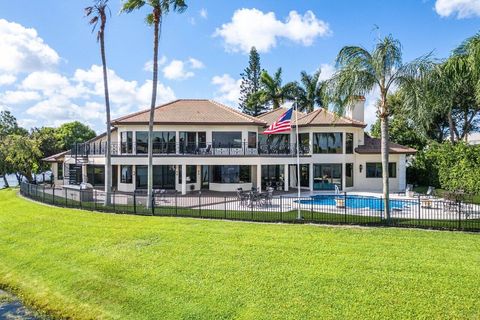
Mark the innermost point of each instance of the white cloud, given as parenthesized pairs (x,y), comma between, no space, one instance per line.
(181,70)
(22,50)
(228,88)
(16,97)
(7,79)
(148,66)
(46,82)
(327,71)
(192,21)
(459,8)
(252,27)
(196,64)
(203,13)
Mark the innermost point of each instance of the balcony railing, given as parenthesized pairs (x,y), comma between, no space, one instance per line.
(189,149)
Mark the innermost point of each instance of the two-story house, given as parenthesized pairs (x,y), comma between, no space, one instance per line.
(203,145)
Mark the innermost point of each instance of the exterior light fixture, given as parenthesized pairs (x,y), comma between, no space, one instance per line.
(361,168)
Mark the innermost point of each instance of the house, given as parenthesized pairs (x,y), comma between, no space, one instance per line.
(203,145)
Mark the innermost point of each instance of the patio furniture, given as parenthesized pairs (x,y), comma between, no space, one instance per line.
(243,197)
(409,191)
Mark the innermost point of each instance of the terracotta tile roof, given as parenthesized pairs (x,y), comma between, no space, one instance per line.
(322,117)
(373,146)
(56,157)
(191,111)
(273,115)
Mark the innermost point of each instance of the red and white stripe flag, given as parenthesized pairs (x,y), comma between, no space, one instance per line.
(283,124)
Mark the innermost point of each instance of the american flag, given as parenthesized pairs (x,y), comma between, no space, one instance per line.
(283,124)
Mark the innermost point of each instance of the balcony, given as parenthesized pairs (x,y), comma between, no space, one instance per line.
(190,150)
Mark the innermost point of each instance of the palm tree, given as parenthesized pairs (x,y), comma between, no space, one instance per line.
(273,92)
(97,12)
(359,72)
(159,9)
(310,92)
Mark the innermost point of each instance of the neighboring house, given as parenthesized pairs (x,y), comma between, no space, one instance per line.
(204,145)
(474,138)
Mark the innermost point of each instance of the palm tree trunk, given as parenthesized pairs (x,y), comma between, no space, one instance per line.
(108,164)
(385,151)
(451,126)
(156,17)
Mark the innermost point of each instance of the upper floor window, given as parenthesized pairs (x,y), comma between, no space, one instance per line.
(349,143)
(227,139)
(163,142)
(374,170)
(252,139)
(126,139)
(304,139)
(328,142)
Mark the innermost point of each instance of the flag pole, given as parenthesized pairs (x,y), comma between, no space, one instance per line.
(299,215)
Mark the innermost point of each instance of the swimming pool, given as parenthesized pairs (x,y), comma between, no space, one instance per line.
(357,202)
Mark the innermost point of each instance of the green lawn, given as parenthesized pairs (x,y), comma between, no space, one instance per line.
(80,264)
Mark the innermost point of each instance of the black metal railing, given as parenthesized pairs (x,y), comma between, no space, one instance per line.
(198,149)
(346,209)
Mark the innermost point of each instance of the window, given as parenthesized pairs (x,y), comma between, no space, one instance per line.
(330,142)
(191,174)
(252,139)
(349,143)
(349,175)
(274,143)
(126,138)
(59,171)
(126,174)
(163,142)
(327,176)
(202,139)
(230,174)
(304,142)
(227,139)
(374,170)
(96,175)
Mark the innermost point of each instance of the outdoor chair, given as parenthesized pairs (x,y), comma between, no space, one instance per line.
(243,197)
(160,195)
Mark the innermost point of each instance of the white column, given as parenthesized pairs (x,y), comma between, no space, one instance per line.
(84,173)
(259,177)
(286,181)
(184,179)
(310,177)
(177,142)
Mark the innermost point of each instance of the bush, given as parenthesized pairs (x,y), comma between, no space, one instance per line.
(448,166)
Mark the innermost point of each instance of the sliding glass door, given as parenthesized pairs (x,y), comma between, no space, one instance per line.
(327,176)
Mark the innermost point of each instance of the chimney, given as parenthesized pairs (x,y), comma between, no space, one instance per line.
(357,110)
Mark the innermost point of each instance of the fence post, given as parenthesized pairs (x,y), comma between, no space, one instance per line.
(66,201)
(95,199)
(44,190)
(114,208)
(311,209)
(281,208)
(176,204)
(200,205)
(419,208)
(81,196)
(134,202)
(225,211)
(459,214)
(153,204)
(53,195)
(345,206)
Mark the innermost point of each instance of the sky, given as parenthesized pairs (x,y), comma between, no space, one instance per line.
(50,66)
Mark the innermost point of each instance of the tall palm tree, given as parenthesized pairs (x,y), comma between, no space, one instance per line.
(159,9)
(273,92)
(359,72)
(98,14)
(310,91)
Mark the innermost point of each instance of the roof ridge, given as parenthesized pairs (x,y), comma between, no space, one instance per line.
(143,111)
(229,109)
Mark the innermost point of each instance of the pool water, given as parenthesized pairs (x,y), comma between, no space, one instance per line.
(358,202)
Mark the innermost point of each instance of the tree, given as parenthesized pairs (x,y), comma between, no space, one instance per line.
(310,91)
(250,86)
(401,128)
(359,72)
(21,155)
(450,93)
(47,143)
(159,9)
(73,132)
(8,126)
(273,92)
(98,13)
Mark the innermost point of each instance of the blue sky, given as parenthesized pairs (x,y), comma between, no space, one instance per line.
(49,59)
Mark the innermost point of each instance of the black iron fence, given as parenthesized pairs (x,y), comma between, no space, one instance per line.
(419,212)
(196,149)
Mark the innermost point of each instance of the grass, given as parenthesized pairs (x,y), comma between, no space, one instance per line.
(79,264)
